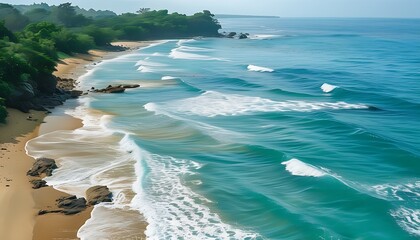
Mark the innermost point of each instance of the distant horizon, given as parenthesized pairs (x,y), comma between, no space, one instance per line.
(404,9)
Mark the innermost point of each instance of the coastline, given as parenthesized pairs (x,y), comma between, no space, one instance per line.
(19,203)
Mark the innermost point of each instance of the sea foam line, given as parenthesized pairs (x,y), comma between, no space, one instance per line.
(212,104)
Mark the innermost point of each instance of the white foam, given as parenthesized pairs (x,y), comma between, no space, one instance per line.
(145,69)
(191,53)
(149,63)
(211,104)
(299,168)
(182,41)
(172,209)
(169,78)
(328,87)
(254,68)
(408,219)
(400,192)
(186,53)
(264,36)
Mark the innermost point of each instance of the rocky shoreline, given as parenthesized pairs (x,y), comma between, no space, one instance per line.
(27,98)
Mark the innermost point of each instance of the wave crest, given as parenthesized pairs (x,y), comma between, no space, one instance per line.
(328,87)
(299,168)
(254,68)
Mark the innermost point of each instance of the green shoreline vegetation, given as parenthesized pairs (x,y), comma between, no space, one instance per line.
(32,37)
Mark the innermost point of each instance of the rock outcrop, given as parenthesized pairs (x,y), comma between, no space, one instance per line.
(27,96)
(68,205)
(115,89)
(42,166)
(38,183)
(98,194)
(235,35)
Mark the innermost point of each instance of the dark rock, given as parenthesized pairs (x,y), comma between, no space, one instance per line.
(72,202)
(25,91)
(48,84)
(242,36)
(231,35)
(98,194)
(115,90)
(38,183)
(130,85)
(42,212)
(75,93)
(42,165)
(112,89)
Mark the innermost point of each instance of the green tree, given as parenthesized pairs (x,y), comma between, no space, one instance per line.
(6,33)
(3,112)
(101,36)
(13,19)
(67,15)
(38,15)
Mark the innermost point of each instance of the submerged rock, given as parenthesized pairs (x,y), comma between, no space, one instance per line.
(42,165)
(98,194)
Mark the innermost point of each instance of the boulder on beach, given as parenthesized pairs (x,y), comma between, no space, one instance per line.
(68,205)
(38,183)
(42,165)
(98,194)
(71,204)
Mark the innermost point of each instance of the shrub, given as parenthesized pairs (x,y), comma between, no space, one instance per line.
(3,111)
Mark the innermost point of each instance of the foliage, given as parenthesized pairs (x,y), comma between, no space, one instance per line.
(91,13)
(3,112)
(69,42)
(13,19)
(67,15)
(38,15)
(101,36)
(6,33)
(63,40)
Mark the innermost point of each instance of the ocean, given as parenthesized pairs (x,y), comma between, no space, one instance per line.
(309,129)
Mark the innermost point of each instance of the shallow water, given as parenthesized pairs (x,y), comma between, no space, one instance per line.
(307,130)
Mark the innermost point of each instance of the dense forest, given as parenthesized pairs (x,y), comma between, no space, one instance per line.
(33,36)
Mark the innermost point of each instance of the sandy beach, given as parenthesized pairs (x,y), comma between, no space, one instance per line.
(19,203)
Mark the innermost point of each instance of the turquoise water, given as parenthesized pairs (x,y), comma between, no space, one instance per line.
(308,130)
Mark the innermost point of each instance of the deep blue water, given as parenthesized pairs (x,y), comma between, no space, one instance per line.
(235,139)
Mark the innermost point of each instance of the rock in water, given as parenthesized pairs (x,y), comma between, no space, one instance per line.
(98,194)
(130,85)
(243,36)
(42,165)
